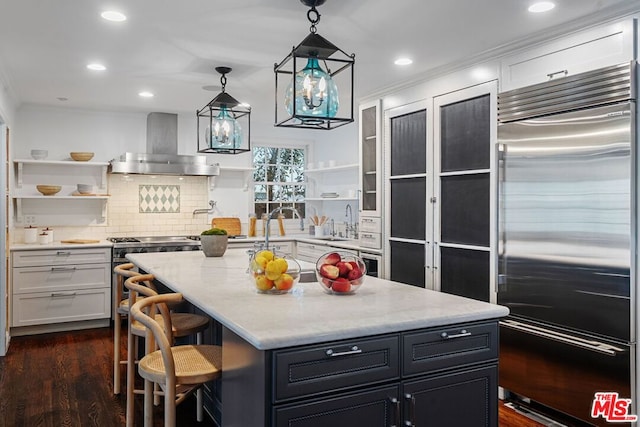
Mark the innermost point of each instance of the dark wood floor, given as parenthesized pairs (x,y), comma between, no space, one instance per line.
(66,379)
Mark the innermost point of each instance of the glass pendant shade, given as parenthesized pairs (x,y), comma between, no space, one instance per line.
(224,131)
(224,124)
(316,94)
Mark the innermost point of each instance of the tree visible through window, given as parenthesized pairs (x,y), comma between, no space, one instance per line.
(278,179)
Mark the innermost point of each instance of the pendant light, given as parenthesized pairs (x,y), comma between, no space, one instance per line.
(224,124)
(308,79)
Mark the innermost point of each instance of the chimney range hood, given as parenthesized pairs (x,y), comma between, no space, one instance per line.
(161,157)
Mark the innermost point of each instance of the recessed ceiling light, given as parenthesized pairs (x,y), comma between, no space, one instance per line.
(112,15)
(145,94)
(403,61)
(542,6)
(96,67)
(62,99)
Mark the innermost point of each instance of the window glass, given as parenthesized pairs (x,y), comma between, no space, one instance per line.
(278,179)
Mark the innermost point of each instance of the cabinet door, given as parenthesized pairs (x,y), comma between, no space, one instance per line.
(370,159)
(599,47)
(374,408)
(462,398)
(464,137)
(408,157)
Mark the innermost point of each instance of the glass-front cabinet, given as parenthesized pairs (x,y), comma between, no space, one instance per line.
(370,175)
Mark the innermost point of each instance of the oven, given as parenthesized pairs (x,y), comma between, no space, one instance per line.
(126,245)
(373,262)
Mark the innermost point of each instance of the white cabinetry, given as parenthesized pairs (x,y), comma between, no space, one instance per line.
(310,252)
(595,48)
(370,175)
(56,286)
(31,207)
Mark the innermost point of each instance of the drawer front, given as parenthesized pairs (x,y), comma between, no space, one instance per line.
(448,347)
(334,366)
(373,225)
(370,240)
(309,252)
(281,248)
(60,278)
(61,256)
(56,307)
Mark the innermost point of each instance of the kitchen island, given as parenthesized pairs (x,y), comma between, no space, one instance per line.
(391,352)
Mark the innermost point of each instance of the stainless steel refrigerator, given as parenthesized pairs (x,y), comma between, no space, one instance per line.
(566,222)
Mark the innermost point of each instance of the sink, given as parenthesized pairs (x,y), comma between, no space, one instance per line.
(332,238)
(308,276)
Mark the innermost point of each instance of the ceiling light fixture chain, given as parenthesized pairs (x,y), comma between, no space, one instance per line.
(314,20)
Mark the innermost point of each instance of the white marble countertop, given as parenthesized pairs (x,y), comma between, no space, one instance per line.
(352,244)
(222,289)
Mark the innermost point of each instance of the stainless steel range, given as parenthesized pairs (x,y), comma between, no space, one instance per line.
(126,245)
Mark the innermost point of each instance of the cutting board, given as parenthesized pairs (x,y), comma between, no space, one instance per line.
(232,225)
(80,241)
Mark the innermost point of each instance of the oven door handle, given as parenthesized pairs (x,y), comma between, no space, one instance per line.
(592,345)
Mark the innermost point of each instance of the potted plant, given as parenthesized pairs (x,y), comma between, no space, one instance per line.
(214,242)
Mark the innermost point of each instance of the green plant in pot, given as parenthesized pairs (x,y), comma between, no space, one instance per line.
(214,242)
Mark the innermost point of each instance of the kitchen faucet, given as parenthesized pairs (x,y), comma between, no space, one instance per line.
(349,226)
(272,214)
(202,211)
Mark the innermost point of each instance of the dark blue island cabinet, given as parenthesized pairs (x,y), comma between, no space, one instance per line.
(441,376)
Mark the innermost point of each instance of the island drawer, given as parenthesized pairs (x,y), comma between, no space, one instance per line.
(448,347)
(334,366)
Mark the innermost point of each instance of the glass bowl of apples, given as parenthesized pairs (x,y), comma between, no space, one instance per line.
(273,274)
(340,273)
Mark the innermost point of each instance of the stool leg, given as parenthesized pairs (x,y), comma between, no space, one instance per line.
(117,327)
(148,403)
(131,352)
(199,400)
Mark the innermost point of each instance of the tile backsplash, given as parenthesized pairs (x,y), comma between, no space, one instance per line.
(172,200)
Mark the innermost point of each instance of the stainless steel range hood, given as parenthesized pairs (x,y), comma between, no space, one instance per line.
(162,156)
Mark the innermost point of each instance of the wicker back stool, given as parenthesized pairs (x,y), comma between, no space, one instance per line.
(179,370)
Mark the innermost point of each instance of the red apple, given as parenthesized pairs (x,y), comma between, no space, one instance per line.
(327,282)
(341,285)
(344,268)
(354,264)
(333,258)
(329,271)
(355,274)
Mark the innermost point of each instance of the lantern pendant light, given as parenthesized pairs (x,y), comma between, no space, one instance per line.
(219,123)
(307,82)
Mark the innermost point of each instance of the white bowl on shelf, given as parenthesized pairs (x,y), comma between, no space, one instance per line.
(39,154)
(85,188)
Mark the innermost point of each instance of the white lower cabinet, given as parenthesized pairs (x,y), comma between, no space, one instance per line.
(58,286)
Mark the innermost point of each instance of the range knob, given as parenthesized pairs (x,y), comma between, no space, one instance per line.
(143,250)
(178,249)
(195,248)
(122,253)
(163,249)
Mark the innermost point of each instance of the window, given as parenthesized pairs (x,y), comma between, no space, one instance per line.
(278,179)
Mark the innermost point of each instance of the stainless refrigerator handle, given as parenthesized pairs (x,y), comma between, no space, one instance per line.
(600,347)
(501,150)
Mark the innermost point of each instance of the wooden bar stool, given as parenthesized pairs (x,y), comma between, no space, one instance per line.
(182,325)
(179,370)
(120,311)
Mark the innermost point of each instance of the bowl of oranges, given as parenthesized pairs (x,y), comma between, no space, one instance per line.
(273,274)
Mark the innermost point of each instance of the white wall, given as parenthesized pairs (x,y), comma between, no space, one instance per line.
(109,134)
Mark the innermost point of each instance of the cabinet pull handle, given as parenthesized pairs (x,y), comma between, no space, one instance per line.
(353,350)
(463,333)
(62,294)
(396,405)
(552,75)
(62,268)
(411,422)
(63,253)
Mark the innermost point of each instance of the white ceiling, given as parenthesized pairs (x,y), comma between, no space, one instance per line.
(171,47)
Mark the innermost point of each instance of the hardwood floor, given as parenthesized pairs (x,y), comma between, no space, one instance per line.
(66,379)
